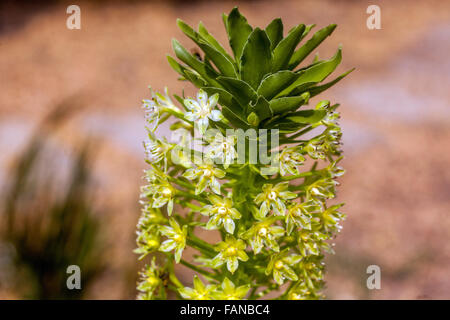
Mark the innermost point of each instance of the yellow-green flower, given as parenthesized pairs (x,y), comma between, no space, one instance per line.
(301,291)
(221,212)
(155,149)
(201,110)
(199,292)
(321,190)
(299,215)
(333,170)
(177,238)
(289,159)
(159,191)
(207,175)
(230,252)
(272,198)
(263,233)
(315,149)
(148,241)
(149,281)
(331,217)
(310,242)
(164,101)
(156,106)
(311,271)
(228,291)
(151,113)
(222,149)
(280,266)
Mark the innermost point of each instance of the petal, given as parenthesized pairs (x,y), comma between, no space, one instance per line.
(242,291)
(264,209)
(290,224)
(289,273)
(170,207)
(282,186)
(187,293)
(202,184)
(190,174)
(191,104)
(211,224)
(167,231)
(277,231)
(198,284)
(215,185)
(217,261)
(235,214)
(215,115)
(242,255)
(202,97)
(259,198)
(272,244)
(175,225)
(293,259)
(212,101)
(227,285)
(203,125)
(281,207)
(278,277)
(191,116)
(232,264)
(167,245)
(219,173)
(206,210)
(288,195)
(228,224)
(178,253)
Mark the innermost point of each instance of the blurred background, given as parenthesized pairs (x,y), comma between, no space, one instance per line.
(71,131)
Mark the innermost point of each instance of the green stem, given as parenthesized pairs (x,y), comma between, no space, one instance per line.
(191,196)
(197,269)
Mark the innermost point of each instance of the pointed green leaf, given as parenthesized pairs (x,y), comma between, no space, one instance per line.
(298,120)
(239,89)
(220,61)
(307,116)
(262,108)
(316,90)
(188,30)
(227,100)
(212,41)
(275,32)
(193,62)
(310,45)
(235,121)
(238,31)
(307,30)
(225,21)
(194,78)
(285,125)
(275,83)
(175,65)
(284,104)
(256,59)
(283,51)
(319,71)
(316,73)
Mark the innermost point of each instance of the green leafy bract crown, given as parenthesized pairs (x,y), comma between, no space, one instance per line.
(261,84)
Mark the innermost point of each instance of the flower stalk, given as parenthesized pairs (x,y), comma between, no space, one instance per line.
(269,212)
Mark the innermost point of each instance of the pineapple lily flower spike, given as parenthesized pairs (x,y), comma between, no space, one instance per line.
(273,221)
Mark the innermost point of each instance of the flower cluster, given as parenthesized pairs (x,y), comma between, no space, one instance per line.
(272,225)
